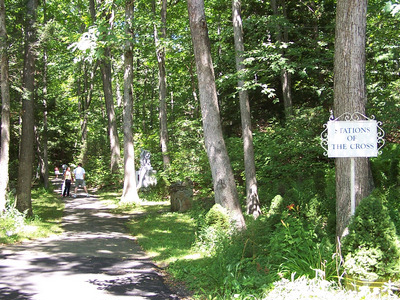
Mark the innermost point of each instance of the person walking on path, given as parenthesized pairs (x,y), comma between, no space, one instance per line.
(64,167)
(56,172)
(79,173)
(68,179)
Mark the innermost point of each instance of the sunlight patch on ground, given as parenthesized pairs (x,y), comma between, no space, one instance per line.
(193,256)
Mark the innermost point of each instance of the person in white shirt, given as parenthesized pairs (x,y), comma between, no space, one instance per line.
(79,173)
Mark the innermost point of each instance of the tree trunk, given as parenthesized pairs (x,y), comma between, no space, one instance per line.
(224,183)
(162,79)
(39,154)
(5,110)
(84,107)
(350,97)
(105,67)
(286,77)
(44,169)
(129,193)
(24,201)
(252,201)
(44,165)
(195,112)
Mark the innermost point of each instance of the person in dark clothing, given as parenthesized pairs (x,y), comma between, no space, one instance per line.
(68,179)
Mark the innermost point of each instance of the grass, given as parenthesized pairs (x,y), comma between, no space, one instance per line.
(165,236)
(47,209)
(182,245)
(172,241)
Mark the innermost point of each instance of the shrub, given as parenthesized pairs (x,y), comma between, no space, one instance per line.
(218,217)
(296,247)
(371,248)
(392,201)
(12,222)
(214,232)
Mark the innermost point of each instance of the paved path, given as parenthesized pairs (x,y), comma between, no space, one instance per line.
(94,259)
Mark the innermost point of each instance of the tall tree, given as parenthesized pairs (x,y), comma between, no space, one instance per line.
(129,193)
(106,76)
(252,201)
(106,72)
(282,37)
(85,91)
(44,161)
(86,96)
(26,156)
(162,80)
(350,97)
(5,109)
(224,183)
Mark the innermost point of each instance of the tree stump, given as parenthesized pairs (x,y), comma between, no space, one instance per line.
(181,194)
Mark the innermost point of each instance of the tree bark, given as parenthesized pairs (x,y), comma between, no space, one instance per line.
(223,180)
(350,97)
(286,77)
(44,165)
(105,67)
(129,193)
(195,112)
(162,81)
(24,201)
(252,201)
(89,72)
(5,110)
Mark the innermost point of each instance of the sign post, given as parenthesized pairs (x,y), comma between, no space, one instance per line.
(352,135)
(353,185)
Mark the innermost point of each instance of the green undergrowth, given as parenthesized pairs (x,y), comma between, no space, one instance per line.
(278,254)
(46,220)
(165,236)
(112,198)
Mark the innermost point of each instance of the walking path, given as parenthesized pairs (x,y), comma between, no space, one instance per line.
(94,259)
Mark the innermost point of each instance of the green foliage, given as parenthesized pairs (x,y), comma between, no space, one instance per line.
(371,248)
(12,223)
(214,231)
(156,194)
(217,217)
(290,154)
(220,264)
(276,206)
(281,150)
(165,236)
(301,251)
(296,183)
(47,208)
(188,155)
(393,204)
(385,167)
(290,164)
(247,263)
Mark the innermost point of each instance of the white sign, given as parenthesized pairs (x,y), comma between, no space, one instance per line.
(352,138)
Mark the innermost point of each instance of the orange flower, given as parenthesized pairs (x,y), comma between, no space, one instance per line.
(290,207)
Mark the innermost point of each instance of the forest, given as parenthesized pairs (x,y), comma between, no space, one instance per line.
(232,96)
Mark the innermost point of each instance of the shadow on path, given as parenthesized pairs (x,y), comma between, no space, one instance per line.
(93,259)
